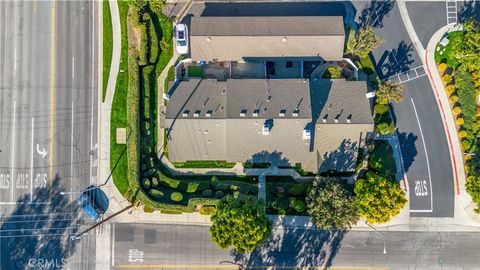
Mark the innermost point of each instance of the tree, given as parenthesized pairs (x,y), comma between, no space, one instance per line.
(467,51)
(364,42)
(330,205)
(156,5)
(239,223)
(382,160)
(390,91)
(378,199)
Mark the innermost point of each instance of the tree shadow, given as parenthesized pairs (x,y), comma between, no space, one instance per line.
(408,148)
(274,158)
(374,13)
(396,60)
(470,10)
(312,248)
(34,231)
(342,159)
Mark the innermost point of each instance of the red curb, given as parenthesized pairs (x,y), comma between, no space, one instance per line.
(446,126)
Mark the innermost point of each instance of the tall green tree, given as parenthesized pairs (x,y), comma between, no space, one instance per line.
(389,91)
(378,199)
(239,223)
(364,42)
(468,51)
(331,205)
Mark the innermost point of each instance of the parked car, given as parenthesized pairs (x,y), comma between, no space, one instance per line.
(181,38)
(93,202)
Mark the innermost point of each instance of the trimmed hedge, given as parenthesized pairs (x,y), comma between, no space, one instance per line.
(176,196)
(208,210)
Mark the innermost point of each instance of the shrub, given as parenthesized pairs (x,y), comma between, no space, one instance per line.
(156,193)
(442,67)
(208,210)
(148,208)
(164,45)
(299,206)
(146,183)
(462,134)
(176,196)
(382,160)
(219,194)
(298,189)
(332,73)
(383,101)
(459,121)
(380,109)
(214,181)
(280,203)
(453,99)
(236,194)
(154,182)
(385,128)
(446,79)
(456,110)
(466,145)
(207,193)
(450,89)
(192,187)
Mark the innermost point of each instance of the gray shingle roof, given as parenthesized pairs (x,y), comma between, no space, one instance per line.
(228,136)
(240,38)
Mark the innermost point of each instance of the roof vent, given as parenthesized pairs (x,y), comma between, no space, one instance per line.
(282,113)
(269,98)
(196,114)
(209,113)
(295,113)
(243,113)
(306,134)
(349,119)
(324,119)
(185,113)
(336,119)
(284,39)
(209,39)
(255,113)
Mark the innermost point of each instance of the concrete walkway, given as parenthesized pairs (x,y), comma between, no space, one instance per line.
(102,258)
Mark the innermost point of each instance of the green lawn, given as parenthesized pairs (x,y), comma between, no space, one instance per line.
(204,164)
(195,71)
(448,56)
(170,78)
(119,108)
(107,45)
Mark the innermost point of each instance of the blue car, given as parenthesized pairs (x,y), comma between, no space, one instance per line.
(89,207)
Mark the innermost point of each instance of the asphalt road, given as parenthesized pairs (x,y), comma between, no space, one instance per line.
(423,140)
(144,246)
(47,130)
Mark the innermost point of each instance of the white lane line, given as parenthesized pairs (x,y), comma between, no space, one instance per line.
(93,91)
(71,155)
(73,67)
(428,162)
(13,147)
(31,161)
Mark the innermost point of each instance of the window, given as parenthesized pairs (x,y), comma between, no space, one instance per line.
(289,64)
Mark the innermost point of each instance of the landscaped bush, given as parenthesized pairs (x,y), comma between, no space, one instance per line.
(156,193)
(456,110)
(459,121)
(332,73)
(146,183)
(467,98)
(299,206)
(298,189)
(148,208)
(384,124)
(462,134)
(442,67)
(154,182)
(176,196)
(453,99)
(219,194)
(382,159)
(207,193)
(192,187)
(450,89)
(446,79)
(380,108)
(466,145)
(208,210)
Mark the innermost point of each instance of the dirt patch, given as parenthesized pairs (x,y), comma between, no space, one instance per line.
(133,32)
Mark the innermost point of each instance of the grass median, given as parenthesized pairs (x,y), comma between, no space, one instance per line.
(107,46)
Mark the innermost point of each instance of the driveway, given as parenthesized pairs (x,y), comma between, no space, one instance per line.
(420,128)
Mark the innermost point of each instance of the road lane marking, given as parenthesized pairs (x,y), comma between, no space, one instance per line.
(12,177)
(31,161)
(428,162)
(52,98)
(71,155)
